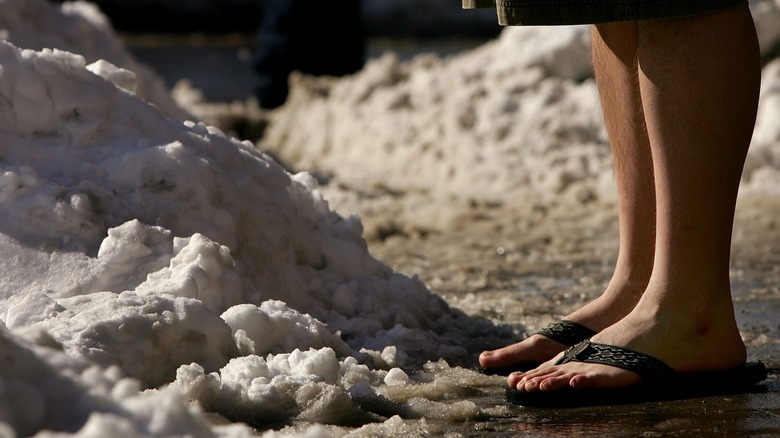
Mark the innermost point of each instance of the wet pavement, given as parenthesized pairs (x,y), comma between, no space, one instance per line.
(754,415)
(527,294)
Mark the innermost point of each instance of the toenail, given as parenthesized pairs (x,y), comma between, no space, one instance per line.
(486,353)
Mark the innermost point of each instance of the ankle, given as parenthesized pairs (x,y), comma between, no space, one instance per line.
(622,295)
(605,310)
(628,284)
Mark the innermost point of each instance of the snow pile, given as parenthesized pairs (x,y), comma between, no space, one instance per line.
(137,244)
(80,27)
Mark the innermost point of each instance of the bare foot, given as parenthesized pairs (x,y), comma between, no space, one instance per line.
(615,303)
(687,341)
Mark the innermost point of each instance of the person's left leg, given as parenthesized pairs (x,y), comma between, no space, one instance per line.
(699,79)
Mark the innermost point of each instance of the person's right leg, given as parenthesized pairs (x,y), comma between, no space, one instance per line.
(615,67)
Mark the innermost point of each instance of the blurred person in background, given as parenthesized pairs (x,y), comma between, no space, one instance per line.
(310,36)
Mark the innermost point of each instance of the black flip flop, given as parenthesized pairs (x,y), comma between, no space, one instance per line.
(659,381)
(566,332)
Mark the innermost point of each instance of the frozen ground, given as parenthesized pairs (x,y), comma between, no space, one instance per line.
(161,278)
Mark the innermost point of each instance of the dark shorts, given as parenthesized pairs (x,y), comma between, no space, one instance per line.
(561,12)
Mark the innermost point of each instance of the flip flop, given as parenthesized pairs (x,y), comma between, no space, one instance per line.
(568,333)
(659,381)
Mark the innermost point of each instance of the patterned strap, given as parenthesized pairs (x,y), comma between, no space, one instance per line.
(648,367)
(566,332)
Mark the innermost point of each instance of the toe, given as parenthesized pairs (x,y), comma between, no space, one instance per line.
(531,380)
(502,357)
(487,358)
(604,377)
(514,378)
(529,384)
(555,382)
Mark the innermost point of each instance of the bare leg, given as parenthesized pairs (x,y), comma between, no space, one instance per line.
(699,81)
(617,76)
